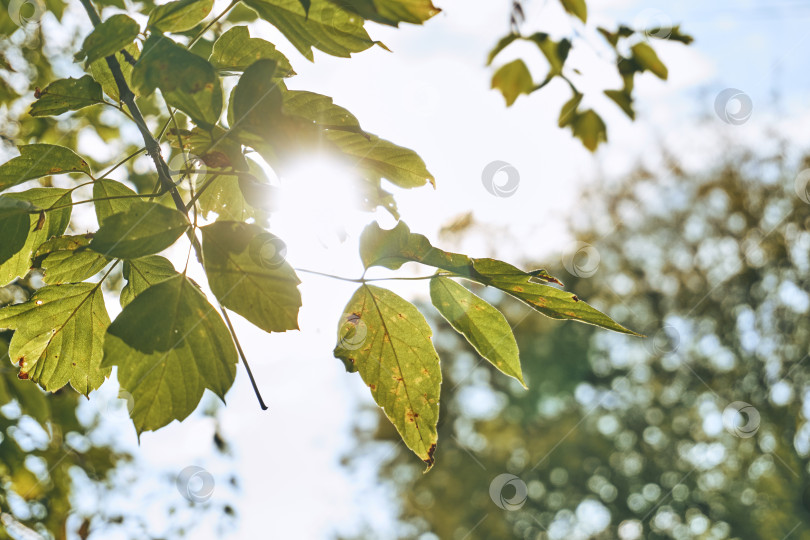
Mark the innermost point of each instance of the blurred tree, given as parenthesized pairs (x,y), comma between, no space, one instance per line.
(699,431)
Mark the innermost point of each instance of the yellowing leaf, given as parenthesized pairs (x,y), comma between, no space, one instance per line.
(388,342)
(67,95)
(647,58)
(578,8)
(38,160)
(58,336)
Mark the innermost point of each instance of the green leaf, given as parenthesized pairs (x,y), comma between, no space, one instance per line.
(187,81)
(394,247)
(143,229)
(376,158)
(556,52)
(391,12)
(484,326)
(549,301)
(225,197)
(624,100)
(180,15)
(589,127)
(257,98)
(327,27)
(22,234)
(108,38)
(578,8)
(247,272)
(143,273)
(38,160)
(102,74)
(169,344)
(646,57)
(66,95)
(235,50)
(58,336)
(569,111)
(68,259)
(321,110)
(105,206)
(512,80)
(503,43)
(388,341)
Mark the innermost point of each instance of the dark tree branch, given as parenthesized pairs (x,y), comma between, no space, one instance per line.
(164,173)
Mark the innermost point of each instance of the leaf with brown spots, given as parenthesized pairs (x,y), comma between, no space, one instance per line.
(38,160)
(58,336)
(388,341)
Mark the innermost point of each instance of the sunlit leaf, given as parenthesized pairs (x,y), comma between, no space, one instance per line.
(391,12)
(142,273)
(484,326)
(180,15)
(548,300)
(590,128)
(503,43)
(109,37)
(187,81)
(319,109)
(102,74)
(58,336)
(69,259)
(38,160)
(377,158)
(578,8)
(111,197)
(388,342)
(647,58)
(67,95)
(235,50)
(169,344)
(247,272)
(624,100)
(23,234)
(512,80)
(327,27)
(143,229)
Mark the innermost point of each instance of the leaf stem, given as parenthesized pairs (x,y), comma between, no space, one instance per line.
(244,358)
(202,32)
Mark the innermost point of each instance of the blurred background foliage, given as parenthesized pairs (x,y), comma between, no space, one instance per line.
(626,438)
